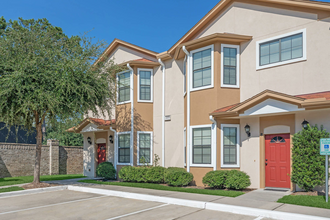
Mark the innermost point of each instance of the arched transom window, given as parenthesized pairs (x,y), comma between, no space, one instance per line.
(277,139)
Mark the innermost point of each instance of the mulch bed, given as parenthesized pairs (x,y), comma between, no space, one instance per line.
(315,193)
(39,185)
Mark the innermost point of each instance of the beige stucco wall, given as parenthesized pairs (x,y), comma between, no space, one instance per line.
(123,54)
(319,117)
(298,78)
(89,152)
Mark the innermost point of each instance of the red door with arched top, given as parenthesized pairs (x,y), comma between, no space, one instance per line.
(101,152)
(277,160)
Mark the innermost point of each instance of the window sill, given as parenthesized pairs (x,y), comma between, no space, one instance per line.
(121,103)
(123,164)
(201,165)
(230,86)
(201,88)
(230,166)
(146,101)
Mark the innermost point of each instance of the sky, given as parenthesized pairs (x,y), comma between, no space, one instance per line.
(153,24)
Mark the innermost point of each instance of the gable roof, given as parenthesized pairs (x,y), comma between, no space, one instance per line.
(223,4)
(307,101)
(97,121)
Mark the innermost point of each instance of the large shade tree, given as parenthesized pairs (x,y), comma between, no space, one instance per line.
(45,74)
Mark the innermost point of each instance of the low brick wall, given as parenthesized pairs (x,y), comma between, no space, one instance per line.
(18,159)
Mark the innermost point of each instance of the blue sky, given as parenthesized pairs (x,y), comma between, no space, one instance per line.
(153,24)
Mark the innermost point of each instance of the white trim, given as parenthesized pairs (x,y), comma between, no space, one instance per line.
(138,147)
(213,148)
(304,57)
(185,147)
(237,47)
(191,67)
(131,148)
(151,84)
(130,93)
(237,146)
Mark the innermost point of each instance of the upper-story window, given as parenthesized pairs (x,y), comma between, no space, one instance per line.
(145,85)
(230,65)
(124,87)
(202,68)
(282,49)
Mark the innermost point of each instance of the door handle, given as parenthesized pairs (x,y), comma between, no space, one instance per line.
(266,159)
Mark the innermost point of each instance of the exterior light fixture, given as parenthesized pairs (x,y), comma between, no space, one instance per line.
(111,139)
(247,130)
(305,124)
(89,140)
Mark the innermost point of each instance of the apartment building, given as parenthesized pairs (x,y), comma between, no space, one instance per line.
(229,94)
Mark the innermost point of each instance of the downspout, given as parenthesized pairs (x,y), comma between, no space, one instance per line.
(132,112)
(188,106)
(214,143)
(115,147)
(163,113)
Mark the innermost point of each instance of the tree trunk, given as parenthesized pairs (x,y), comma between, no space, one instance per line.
(36,179)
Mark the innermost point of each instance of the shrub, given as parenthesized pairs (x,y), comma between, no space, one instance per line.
(127,174)
(156,174)
(215,179)
(308,166)
(178,177)
(141,174)
(237,180)
(106,170)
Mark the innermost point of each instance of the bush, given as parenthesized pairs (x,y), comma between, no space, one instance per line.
(237,180)
(156,174)
(127,174)
(216,179)
(141,174)
(106,170)
(308,166)
(178,177)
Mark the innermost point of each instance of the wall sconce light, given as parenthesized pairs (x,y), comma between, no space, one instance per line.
(305,124)
(89,140)
(111,139)
(247,130)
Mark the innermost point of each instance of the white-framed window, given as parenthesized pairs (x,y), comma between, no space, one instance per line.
(230,65)
(145,85)
(124,148)
(185,146)
(124,92)
(144,147)
(202,146)
(230,145)
(202,65)
(280,50)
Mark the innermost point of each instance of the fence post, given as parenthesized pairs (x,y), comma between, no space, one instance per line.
(53,156)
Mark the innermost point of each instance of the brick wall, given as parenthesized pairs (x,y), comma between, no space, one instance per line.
(18,159)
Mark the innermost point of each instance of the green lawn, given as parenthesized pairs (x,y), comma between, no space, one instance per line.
(170,188)
(28,179)
(10,189)
(304,200)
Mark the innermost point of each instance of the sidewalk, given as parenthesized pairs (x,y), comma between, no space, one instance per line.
(260,199)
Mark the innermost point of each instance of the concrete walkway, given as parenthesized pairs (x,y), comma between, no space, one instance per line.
(261,199)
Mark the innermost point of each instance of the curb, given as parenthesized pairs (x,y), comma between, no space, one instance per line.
(32,191)
(199,204)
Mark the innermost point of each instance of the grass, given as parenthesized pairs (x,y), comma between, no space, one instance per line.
(11,189)
(227,193)
(28,179)
(304,200)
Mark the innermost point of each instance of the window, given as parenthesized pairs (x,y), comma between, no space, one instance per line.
(124,150)
(202,68)
(229,145)
(277,139)
(145,78)
(201,145)
(282,49)
(124,87)
(185,146)
(230,65)
(144,145)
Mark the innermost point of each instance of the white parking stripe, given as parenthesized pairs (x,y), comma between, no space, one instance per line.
(137,212)
(45,206)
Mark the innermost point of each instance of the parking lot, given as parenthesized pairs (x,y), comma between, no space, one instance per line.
(66,204)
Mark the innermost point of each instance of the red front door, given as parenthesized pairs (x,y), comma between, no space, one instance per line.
(101,152)
(277,160)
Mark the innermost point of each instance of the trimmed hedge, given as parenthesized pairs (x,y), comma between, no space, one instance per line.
(177,176)
(106,170)
(233,179)
(173,176)
(216,179)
